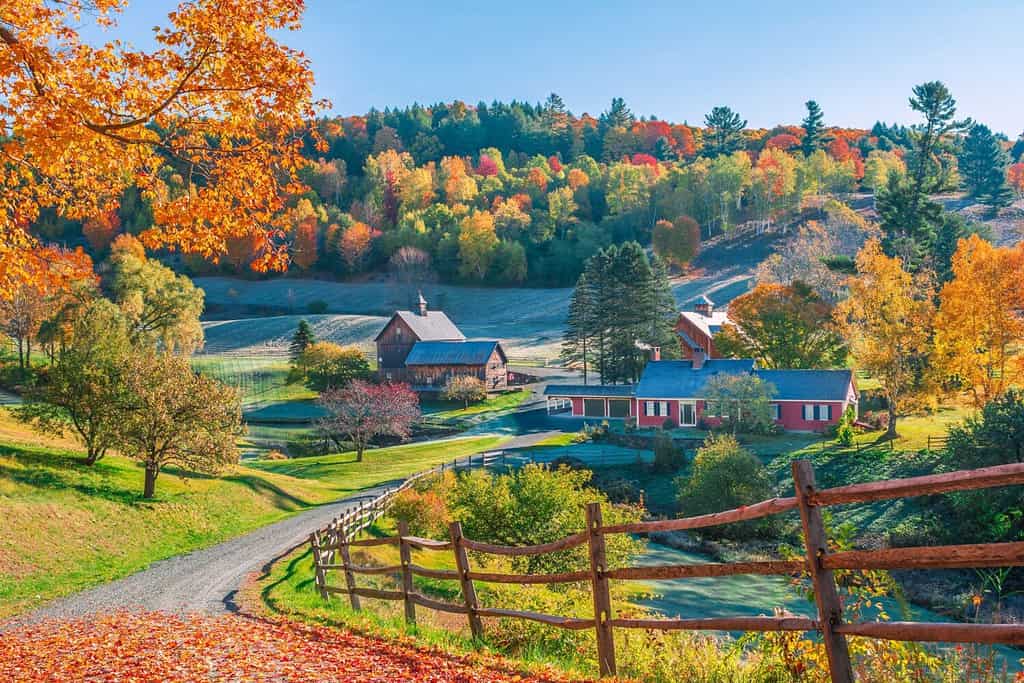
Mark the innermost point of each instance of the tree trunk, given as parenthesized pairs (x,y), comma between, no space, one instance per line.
(150,488)
(359,452)
(891,432)
(92,456)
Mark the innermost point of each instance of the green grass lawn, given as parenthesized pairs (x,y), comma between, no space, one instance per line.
(261,379)
(66,527)
(448,411)
(343,475)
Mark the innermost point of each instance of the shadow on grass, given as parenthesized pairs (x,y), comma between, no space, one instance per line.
(281,498)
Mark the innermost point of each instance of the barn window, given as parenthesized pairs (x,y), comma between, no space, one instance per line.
(776,412)
(618,407)
(593,407)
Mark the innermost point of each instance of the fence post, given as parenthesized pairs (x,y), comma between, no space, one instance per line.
(405,552)
(826,595)
(350,579)
(321,581)
(602,595)
(468,590)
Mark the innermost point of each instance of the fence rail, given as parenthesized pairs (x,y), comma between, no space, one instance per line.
(819,561)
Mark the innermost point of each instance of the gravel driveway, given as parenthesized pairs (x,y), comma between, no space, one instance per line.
(201,581)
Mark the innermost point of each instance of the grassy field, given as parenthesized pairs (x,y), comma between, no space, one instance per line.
(446,410)
(67,527)
(343,475)
(528,321)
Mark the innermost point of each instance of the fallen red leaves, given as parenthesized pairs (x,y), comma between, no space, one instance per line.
(138,648)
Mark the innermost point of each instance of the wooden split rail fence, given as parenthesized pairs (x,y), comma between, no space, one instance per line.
(331,553)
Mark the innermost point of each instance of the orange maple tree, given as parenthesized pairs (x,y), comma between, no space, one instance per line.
(208,125)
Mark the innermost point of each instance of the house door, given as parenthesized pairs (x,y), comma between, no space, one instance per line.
(688,413)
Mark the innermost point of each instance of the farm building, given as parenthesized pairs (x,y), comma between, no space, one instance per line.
(673,390)
(425,349)
(696,328)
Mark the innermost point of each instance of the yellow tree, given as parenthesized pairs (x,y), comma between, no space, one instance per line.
(887,323)
(209,125)
(477,243)
(978,329)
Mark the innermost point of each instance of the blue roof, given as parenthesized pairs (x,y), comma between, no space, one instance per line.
(452,352)
(605,390)
(808,385)
(678,379)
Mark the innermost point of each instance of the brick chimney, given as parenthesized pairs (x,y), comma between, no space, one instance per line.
(422,305)
(655,353)
(699,356)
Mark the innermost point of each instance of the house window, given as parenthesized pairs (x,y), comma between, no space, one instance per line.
(593,407)
(656,408)
(776,412)
(817,412)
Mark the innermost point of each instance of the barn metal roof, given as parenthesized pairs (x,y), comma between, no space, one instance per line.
(434,326)
(453,352)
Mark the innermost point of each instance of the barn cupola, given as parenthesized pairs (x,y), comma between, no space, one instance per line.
(422,305)
(704,305)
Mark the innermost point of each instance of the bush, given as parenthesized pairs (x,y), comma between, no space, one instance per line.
(876,419)
(317,307)
(668,425)
(275,455)
(464,389)
(425,511)
(538,505)
(725,476)
(330,365)
(844,430)
(668,457)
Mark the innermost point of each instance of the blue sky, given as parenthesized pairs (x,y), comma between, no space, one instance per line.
(859,60)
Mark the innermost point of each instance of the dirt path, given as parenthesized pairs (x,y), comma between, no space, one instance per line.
(154,646)
(201,581)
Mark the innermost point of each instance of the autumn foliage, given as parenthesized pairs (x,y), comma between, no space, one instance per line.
(170,648)
(208,126)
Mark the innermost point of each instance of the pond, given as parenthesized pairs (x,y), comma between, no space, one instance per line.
(753,596)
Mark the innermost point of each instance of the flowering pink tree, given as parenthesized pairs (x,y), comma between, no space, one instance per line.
(360,411)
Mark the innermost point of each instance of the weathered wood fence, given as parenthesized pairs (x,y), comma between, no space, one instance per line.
(331,553)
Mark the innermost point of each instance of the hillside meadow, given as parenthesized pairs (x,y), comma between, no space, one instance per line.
(68,527)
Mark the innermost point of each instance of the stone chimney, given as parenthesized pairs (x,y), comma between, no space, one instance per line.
(699,356)
(655,353)
(422,305)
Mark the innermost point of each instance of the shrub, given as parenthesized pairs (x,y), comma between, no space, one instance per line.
(464,389)
(668,425)
(844,430)
(330,365)
(876,419)
(425,511)
(668,457)
(538,505)
(725,476)
(317,307)
(275,455)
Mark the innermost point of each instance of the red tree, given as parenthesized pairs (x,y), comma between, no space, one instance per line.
(1015,178)
(840,150)
(361,411)
(644,160)
(304,248)
(555,164)
(783,141)
(487,166)
(100,231)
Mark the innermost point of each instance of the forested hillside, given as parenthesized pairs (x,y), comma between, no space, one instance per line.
(518,193)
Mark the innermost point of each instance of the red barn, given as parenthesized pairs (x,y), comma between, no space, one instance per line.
(425,349)
(696,329)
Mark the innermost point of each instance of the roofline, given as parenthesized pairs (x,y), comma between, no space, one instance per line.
(386,325)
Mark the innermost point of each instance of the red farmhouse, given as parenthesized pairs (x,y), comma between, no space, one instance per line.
(673,390)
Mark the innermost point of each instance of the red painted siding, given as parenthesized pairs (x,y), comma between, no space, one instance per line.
(791,414)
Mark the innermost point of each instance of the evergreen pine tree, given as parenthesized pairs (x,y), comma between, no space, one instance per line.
(618,115)
(813,129)
(301,340)
(580,328)
(983,163)
(724,136)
